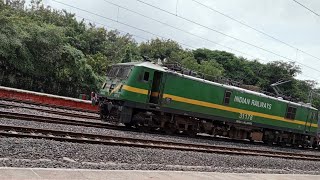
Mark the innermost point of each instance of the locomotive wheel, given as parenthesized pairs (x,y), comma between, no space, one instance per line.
(314,145)
(283,144)
(268,142)
(296,146)
(191,133)
(169,129)
(144,128)
(128,125)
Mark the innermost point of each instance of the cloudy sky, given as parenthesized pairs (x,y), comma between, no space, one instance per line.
(282,19)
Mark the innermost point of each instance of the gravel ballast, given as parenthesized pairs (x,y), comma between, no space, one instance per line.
(24,152)
(163,137)
(16,152)
(100,131)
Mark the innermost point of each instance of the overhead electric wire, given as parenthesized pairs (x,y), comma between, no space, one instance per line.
(107,26)
(116,21)
(255,29)
(179,29)
(224,34)
(166,24)
(306,8)
(122,23)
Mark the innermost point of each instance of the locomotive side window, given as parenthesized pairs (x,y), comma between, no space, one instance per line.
(291,112)
(312,115)
(146,76)
(227,96)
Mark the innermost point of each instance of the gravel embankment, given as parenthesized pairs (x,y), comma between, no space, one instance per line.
(52,154)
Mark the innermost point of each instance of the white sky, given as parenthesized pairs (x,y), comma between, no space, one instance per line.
(283,19)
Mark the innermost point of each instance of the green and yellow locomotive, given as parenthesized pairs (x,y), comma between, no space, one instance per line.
(149,96)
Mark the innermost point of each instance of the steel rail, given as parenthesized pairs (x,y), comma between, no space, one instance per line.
(53,111)
(102,125)
(25,132)
(55,120)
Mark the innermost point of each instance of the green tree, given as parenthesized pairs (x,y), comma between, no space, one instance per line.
(128,56)
(161,49)
(211,69)
(49,50)
(191,64)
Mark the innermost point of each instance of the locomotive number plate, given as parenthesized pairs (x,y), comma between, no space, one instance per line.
(246,116)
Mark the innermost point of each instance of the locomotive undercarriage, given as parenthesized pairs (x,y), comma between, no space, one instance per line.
(152,120)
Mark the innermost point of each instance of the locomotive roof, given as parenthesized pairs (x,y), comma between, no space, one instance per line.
(146,64)
(164,69)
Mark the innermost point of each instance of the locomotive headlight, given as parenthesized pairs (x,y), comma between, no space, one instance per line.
(167,100)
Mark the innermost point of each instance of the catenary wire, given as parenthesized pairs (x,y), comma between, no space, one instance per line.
(224,34)
(307,8)
(179,29)
(166,24)
(110,27)
(255,29)
(125,24)
(146,39)
(116,21)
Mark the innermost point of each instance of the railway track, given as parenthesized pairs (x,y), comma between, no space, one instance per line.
(54,120)
(94,123)
(57,112)
(25,132)
(102,125)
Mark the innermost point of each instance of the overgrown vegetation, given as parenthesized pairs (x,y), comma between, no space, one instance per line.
(46,50)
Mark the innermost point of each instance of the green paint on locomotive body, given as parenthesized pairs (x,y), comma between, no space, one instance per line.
(213,93)
(135,81)
(194,95)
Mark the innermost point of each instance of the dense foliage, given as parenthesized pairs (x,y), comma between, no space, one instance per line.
(46,50)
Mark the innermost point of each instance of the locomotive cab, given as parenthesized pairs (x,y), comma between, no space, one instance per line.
(134,84)
(117,75)
(110,94)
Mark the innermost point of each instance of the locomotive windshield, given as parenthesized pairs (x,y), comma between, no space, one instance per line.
(119,71)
